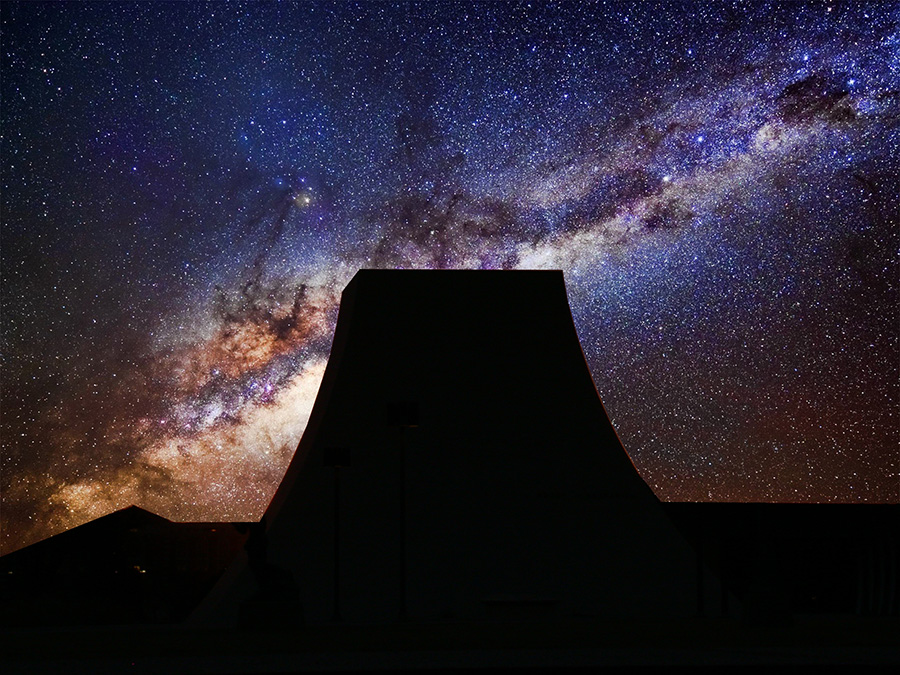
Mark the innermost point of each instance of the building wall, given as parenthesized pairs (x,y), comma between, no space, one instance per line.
(512,492)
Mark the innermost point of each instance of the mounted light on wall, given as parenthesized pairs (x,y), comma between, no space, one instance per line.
(403,414)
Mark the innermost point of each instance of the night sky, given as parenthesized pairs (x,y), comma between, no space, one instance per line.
(187,188)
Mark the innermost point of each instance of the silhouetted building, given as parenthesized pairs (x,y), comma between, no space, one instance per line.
(458,463)
(784,560)
(130,566)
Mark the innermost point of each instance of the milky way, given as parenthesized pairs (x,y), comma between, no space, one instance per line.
(187,188)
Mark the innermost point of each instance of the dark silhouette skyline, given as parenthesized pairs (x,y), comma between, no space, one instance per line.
(427,520)
(187,188)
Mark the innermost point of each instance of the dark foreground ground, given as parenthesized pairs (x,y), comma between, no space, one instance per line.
(441,648)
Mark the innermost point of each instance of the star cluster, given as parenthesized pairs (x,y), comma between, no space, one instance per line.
(187,187)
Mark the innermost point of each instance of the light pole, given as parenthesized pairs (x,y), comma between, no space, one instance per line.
(403,415)
(337,458)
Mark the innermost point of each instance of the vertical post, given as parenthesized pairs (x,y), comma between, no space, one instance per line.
(700,608)
(337,544)
(336,458)
(403,415)
(723,599)
(404,614)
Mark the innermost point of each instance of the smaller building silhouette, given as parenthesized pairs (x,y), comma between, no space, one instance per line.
(127,567)
(769,563)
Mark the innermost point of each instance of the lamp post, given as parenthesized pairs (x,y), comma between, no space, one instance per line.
(403,415)
(337,457)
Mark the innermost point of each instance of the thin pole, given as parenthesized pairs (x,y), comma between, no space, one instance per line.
(337,544)
(404,616)
(700,607)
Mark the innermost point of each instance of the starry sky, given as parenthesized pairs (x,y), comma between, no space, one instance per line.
(187,188)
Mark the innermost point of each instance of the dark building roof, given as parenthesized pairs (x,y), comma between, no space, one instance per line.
(130,566)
